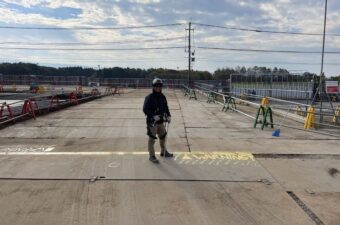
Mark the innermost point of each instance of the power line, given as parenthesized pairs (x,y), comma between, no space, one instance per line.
(177,59)
(97,59)
(266,50)
(262,62)
(92,49)
(172,47)
(90,28)
(95,43)
(264,31)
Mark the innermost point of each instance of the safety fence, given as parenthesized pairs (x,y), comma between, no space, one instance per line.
(282,86)
(39,104)
(267,107)
(89,81)
(282,93)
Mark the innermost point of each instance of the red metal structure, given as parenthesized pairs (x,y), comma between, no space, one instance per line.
(9,109)
(73,98)
(28,108)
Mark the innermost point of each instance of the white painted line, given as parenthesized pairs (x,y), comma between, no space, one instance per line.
(114,164)
(49,149)
(74,153)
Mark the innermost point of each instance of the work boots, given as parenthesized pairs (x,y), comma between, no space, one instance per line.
(153,159)
(167,154)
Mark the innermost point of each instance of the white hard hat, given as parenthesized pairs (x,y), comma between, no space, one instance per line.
(157,82)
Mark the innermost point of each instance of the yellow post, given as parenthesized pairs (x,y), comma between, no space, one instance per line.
(299,110)
(41,89)
(337,113)
(243,96)
(265,101)
(310,119)
(79,89)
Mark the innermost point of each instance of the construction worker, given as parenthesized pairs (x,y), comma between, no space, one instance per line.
(157,113)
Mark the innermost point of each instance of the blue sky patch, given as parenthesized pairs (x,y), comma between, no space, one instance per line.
(62,13)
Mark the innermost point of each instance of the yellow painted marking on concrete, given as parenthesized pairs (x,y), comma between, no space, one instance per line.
(186,157)
(197,157)
(241,156)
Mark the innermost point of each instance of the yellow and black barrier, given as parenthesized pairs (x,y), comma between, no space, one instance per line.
(265,111)
(336,115)
(310,119)
(211,97)
(229,103)
(189,92)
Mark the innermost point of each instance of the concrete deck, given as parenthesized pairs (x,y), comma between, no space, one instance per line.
(46,168)
(134,166)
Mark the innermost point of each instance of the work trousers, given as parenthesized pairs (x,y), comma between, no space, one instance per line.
(158,129)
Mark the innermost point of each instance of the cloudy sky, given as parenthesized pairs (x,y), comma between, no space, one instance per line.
(85,33)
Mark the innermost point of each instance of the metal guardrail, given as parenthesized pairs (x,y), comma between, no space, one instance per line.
(224,96)
(46,104)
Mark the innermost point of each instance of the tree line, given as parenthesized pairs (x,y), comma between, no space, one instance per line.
(238,73)
(114,72)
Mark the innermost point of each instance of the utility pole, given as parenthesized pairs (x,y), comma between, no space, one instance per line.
(98,71)
(271,85)
(321,89)
(189,54)
(231,85)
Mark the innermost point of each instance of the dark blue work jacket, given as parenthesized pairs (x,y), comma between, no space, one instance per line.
(156,104)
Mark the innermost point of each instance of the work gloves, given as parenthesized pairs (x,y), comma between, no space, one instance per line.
(157,118)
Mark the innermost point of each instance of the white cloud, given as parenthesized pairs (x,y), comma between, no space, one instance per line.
(70,3)
(272,11)
(11,16)
(123,18)
(26,3)
(145,1)
(281,15)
